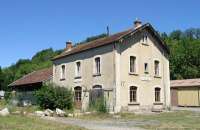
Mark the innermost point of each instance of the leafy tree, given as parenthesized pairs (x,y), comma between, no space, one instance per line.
(92,38)
(1,79)
(176,35)
(184,54)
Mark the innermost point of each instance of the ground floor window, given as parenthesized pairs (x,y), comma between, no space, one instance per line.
(157,94)
(78,93)
(133,94)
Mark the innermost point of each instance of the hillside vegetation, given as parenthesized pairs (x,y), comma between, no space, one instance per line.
(184,57)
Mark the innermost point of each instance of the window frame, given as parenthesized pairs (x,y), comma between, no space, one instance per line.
(78,94)
(144,38)
(95,69)
(135,64)
(159,68)
(63,72)
(78,74)
(146,68)
(134,91)
(157,94)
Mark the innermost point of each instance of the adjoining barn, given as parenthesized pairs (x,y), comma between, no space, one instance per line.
(27,85)
(185,92)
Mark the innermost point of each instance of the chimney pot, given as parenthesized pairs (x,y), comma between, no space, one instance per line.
(137,23)
(68,45)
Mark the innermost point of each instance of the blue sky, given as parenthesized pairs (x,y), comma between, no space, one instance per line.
(28,26)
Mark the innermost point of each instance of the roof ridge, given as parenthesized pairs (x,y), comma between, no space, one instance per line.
(99,39)
(110,39)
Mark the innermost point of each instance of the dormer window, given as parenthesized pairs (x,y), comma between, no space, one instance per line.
(63,70)
(144,39)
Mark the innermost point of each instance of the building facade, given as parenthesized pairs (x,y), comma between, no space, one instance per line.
(131,67)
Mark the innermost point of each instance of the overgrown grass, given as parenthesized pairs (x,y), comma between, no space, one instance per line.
(32,123)
(2,103)
(28,109)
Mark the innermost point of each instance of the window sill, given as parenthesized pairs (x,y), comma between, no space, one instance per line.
(157,103)
(77,77)
(133,103)
(146,72)
(95,75)
(131,73)
(157,76)
(62,79)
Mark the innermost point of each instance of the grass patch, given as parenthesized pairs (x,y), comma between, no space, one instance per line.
(178,119)
(2,103)
(96,116)
(32,123)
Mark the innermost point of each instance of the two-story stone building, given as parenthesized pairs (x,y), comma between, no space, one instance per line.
(132,68)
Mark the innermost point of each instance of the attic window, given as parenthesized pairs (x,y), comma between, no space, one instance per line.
(146,70)
(144,39)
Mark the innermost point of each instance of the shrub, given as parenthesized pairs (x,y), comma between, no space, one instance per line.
(8,96)
(52,97)
(99,105)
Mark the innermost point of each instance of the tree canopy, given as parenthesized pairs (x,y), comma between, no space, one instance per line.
(184,53)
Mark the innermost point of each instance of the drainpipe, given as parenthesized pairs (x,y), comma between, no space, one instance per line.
(164,86)
(198,96)
(114,81)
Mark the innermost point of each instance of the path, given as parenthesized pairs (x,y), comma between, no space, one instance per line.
(100,125)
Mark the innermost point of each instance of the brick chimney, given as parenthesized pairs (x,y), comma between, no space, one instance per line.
(137,23)
(68,46)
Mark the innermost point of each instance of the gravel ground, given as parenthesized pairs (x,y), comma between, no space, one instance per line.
(101,125)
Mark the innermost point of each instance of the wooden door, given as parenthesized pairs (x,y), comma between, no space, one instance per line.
(188,97)
(78,97)
(174,97)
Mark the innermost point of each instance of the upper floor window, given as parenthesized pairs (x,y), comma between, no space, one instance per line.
(63,70)
(133,94)
(144,39)
(78,69)
(132,64)
(146,69)
(157,94)
(157,68)
(97,69)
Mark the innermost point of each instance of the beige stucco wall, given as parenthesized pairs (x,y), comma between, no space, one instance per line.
(115,73)
(106,80)
(145,83)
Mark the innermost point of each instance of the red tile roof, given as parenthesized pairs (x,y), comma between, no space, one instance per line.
(34,77)
(107,40)
(185,83)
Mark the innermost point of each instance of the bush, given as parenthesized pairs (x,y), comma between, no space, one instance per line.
(8,96)
(99,105)
(52,97)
